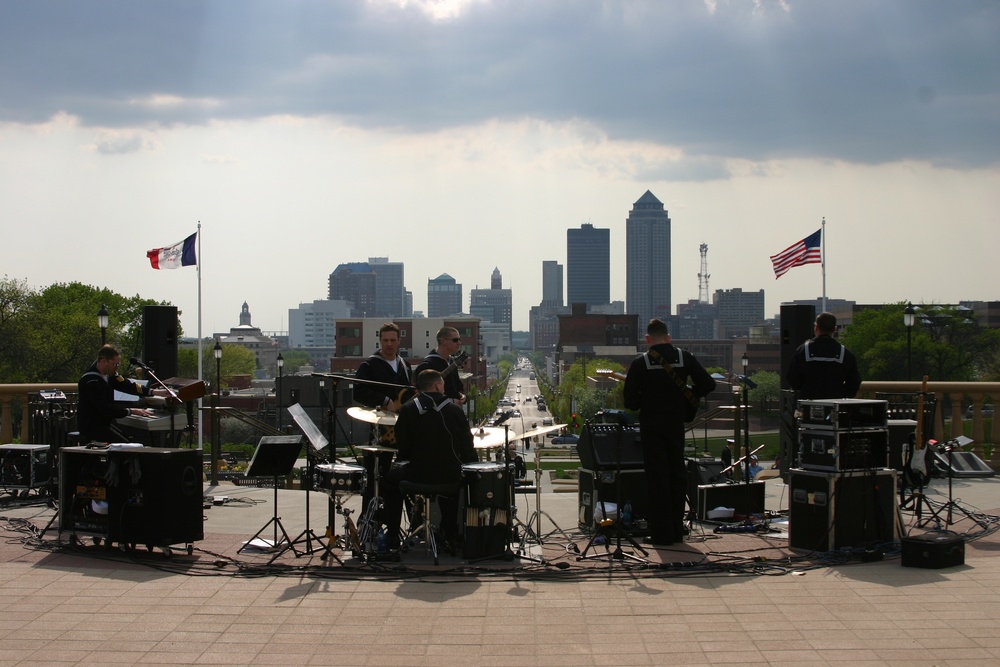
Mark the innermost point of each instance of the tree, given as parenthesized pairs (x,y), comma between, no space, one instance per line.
(51,335)
(236,360)
(768,389)
(946,343)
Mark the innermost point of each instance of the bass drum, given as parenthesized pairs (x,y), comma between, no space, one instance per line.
(485,484)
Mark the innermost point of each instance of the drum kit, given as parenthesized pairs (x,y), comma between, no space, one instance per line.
(487,488)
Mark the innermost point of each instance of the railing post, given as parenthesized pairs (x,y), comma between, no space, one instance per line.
(6,419)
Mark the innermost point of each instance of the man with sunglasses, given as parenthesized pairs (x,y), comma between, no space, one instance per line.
(449,344)
(96,409)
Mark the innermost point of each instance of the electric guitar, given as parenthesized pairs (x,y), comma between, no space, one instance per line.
(456,362)
(916,460)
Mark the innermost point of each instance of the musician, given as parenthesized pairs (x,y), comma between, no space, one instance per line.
(822,367)
(385,367)
(651,389)
(434,437)
(449,343)
(391,377)
(96,407)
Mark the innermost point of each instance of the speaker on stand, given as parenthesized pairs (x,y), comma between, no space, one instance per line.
(159,339)
(797,323)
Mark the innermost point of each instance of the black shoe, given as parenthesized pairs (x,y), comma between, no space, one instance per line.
(657,543)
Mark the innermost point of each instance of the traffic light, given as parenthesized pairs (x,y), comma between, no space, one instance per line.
(575,423)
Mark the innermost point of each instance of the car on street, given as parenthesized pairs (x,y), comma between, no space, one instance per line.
(568,439)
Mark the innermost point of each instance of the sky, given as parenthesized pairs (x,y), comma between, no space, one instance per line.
(461,135)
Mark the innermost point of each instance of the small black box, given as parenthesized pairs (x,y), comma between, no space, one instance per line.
(933,550)
(834,451)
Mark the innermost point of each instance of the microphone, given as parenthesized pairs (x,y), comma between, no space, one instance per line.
(504,417)
(136,362)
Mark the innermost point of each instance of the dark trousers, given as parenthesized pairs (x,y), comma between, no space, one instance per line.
(666,478)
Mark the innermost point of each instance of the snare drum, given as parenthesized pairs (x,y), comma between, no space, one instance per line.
(341,477)
(485,484)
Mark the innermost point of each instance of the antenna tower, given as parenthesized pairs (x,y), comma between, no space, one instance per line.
(703,276)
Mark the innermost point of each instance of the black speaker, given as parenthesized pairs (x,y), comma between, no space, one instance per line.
(24,466)
(788,434)
(159,340)
(137,496)
(595,487)
(598,444)
(796,328)
(834,510)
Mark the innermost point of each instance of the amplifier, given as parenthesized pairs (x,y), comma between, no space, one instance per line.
(743,498)
(24,466)
(829,511)
(933,550)
(843,413)
(598,447)
(833,451)
(602,487)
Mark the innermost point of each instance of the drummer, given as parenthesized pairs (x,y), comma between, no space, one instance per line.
(433,435)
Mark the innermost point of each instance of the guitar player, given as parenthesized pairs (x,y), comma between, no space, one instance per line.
(449,343)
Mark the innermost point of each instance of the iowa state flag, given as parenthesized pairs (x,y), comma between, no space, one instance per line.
(174,256)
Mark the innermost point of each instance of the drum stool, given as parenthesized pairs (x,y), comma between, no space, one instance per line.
(428,492)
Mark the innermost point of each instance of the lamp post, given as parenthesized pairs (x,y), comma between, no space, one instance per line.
(281,365)
(745,362)
(103,319)
(216,421)
(909,317)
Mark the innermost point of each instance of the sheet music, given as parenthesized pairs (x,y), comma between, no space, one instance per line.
(317,439)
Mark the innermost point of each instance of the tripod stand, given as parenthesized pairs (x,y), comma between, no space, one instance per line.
(317,442)
(948,508)
(275,456)
(609,528)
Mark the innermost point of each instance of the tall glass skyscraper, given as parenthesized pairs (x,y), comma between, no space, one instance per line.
(647,260)
(588,265)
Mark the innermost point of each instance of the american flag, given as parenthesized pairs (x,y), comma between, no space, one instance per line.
(806,251)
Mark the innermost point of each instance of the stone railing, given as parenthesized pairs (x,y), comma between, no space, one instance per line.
(7,394)
(957,394)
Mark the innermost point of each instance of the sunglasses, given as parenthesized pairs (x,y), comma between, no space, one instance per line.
(456,340)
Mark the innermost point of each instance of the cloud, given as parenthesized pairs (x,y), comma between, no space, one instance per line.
(113,142)
(854,80)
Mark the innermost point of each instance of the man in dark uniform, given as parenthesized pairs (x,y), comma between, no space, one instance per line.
(822,367)
(449,344)
(434,439)
(96,407)
(652,390)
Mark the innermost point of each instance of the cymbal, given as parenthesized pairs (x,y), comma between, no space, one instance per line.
(373,448)
(372,416)
(485,437)
(541,430)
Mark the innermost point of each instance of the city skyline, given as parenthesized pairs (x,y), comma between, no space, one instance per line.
(464,135)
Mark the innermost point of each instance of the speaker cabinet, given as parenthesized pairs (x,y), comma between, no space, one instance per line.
(136,496)
(24,466)
(830,511)
(796,324)
(599,444)
(602,487)
(159,339)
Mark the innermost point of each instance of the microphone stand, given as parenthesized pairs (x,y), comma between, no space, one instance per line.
(172,405)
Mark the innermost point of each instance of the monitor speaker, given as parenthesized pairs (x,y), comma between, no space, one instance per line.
(159,340)
(598,447)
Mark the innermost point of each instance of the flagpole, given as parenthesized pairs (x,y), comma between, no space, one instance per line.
(201,375)
(823,253)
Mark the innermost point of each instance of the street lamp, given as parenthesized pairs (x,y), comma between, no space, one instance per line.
(281,365)
(216,421)
(909,317)
(103,320)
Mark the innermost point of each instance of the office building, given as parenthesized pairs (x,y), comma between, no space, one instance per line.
(588,265)
(647,260)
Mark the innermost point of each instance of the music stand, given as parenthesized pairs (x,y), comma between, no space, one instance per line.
(317,441)
(274,457)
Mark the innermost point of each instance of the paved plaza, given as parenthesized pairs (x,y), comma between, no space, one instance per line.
(716,599)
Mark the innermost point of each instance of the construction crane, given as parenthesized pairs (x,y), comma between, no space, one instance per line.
(703,275)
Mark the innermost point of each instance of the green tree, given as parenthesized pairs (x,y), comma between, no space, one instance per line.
(51,335)
(236,360)
(946,344)
(768,390)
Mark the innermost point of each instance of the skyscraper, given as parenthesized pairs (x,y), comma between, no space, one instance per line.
(552,284)
(354,282)
(588,265)
(390,289)
(444,296)
(647,260)
(494,304)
